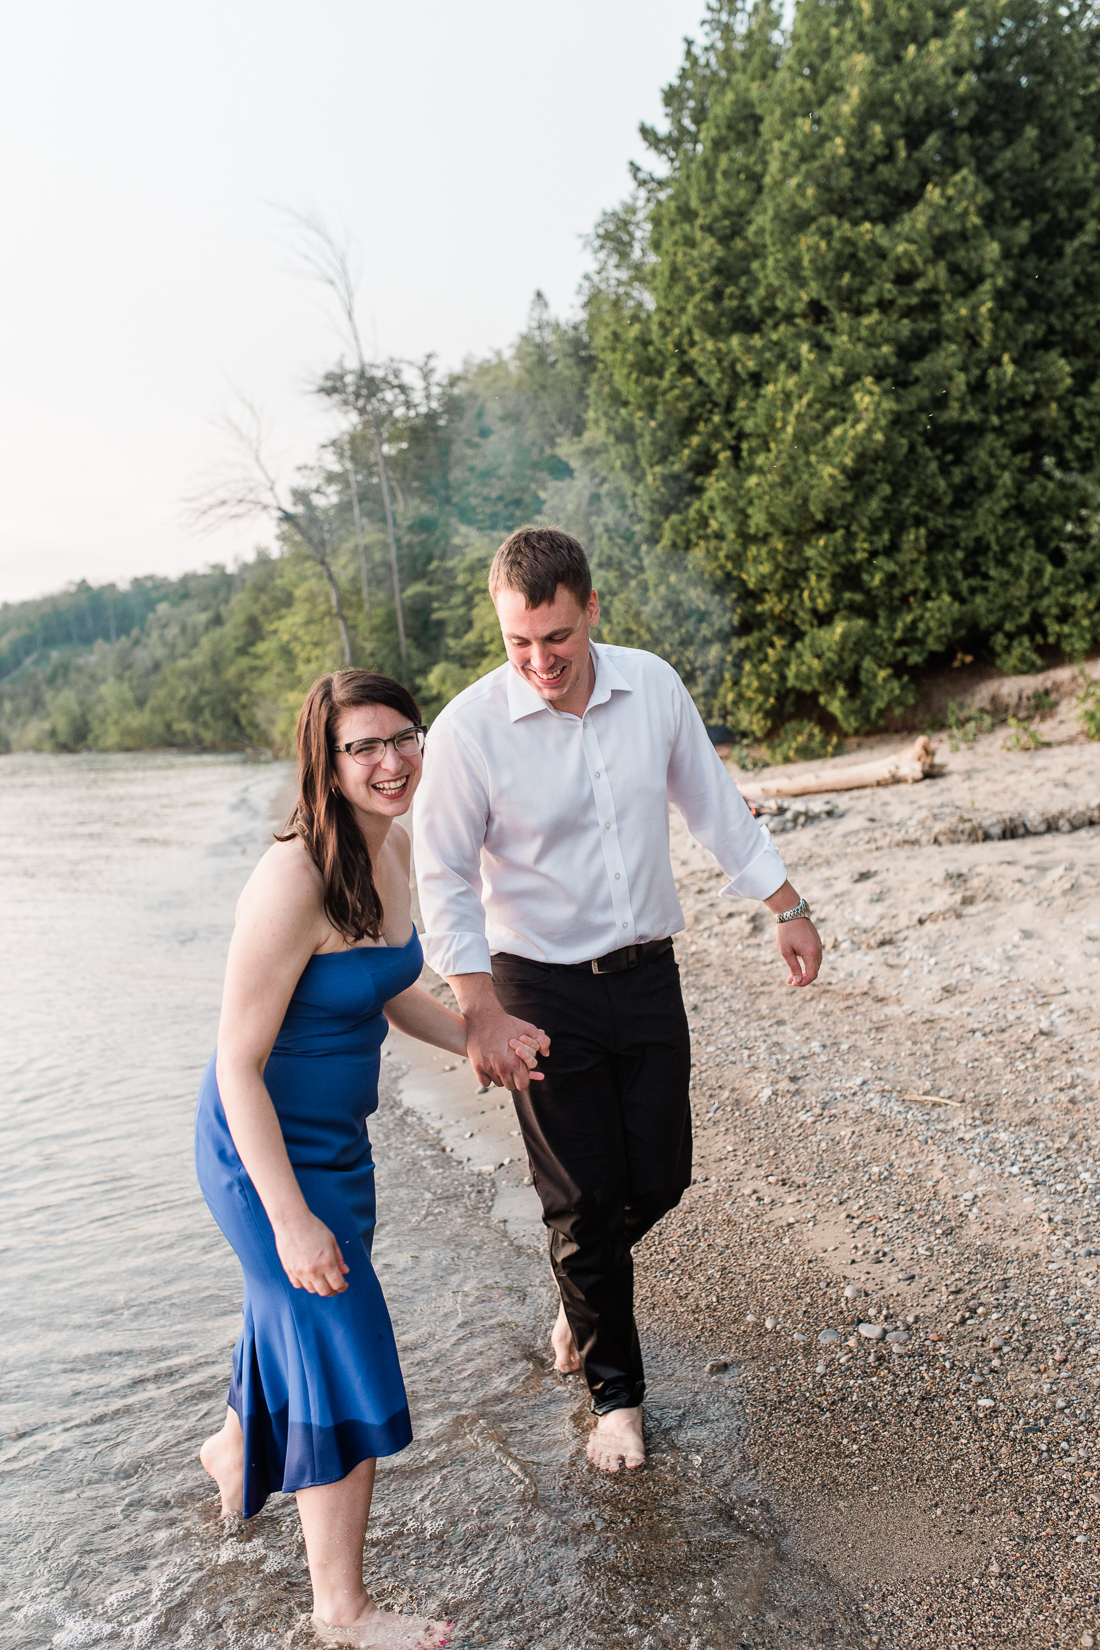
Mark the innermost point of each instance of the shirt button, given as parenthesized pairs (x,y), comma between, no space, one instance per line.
(597,773)
(584,724)
(607,827)
(616,876)
(626,925)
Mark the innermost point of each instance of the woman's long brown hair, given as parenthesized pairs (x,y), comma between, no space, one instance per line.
(321,816)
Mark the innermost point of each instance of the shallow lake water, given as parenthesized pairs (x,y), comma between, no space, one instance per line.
(121,1303)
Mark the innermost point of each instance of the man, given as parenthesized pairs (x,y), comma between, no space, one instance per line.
(549,902)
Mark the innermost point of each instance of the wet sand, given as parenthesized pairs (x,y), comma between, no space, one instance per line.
(910,1146)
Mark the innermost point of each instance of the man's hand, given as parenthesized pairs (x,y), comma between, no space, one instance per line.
(493,1037)
(799,941)
(800,947)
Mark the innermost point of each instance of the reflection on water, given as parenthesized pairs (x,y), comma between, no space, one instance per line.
(121,1305)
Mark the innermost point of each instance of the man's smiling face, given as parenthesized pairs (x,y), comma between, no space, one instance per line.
(548,645)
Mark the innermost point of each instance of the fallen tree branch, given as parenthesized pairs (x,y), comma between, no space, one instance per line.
(907,767)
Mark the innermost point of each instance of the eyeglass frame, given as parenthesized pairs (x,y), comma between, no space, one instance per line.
(413,727)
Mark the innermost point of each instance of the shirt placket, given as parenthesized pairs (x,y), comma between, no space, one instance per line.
(609,833)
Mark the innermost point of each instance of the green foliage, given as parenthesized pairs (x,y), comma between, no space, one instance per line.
(222,660)
(1022,737)
(848,341)
(1088,709)
(963,726)
(801,741)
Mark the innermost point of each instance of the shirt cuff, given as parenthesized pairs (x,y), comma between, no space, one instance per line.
(457,953)
(764,875)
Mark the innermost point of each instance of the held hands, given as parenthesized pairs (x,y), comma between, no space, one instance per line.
(503,1050)
(311,1256)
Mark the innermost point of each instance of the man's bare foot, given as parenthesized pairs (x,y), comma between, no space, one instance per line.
(617,1436)
(377,1629)
(566,1360)
(222,1455)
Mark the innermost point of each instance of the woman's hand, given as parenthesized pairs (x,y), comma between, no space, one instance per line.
(311,1257)
(529,1046)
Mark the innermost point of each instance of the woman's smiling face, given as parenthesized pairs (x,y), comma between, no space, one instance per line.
(386,788)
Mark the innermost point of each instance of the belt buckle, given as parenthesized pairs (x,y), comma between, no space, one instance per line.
(632,960)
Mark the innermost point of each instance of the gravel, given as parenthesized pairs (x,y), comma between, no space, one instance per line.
(902,1166)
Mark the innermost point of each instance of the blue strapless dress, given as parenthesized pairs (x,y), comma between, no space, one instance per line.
(316,1382)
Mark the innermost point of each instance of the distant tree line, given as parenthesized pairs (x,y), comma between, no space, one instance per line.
(829,417)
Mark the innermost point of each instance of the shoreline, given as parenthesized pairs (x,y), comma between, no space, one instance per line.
(919,1127)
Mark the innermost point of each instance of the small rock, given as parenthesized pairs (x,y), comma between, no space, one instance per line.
(1087,1641)
(820,1370)
(872,1331)
(1060,1357)
(717,1366)
(771,1323)
(994,1567)
(801,1339)
(986,1403)
(1059,1403)
(997,1343)
(852,1293)
(898,1337)
(828,1336)
(750,1317)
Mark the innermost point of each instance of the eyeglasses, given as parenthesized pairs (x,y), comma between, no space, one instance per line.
(368,752)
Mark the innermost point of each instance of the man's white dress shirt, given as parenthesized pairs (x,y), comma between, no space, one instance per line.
(546,834)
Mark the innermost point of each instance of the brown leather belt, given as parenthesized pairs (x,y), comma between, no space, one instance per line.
(616,962)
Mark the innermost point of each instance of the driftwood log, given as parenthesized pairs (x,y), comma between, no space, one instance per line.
(905,767)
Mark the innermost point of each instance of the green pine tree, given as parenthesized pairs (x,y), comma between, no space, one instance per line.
(855,364)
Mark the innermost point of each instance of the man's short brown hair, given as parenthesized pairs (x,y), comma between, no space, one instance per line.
(535,561)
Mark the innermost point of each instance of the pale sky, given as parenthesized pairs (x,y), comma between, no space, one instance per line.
(467,148)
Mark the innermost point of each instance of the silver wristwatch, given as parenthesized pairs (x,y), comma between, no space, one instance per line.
(802,909)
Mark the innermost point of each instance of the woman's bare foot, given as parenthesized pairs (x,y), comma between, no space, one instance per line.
(566,1360)
(222,1455)
(377,1629)
(617,1436)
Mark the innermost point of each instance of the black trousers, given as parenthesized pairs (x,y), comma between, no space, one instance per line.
(608,1136)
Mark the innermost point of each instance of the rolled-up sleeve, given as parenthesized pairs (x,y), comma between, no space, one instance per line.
(449,821)
(714,810)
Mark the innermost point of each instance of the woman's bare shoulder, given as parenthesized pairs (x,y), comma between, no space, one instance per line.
(287,876)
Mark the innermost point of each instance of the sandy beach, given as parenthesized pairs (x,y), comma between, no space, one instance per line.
(890,1252)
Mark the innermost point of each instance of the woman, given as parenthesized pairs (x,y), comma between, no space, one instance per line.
(324,942)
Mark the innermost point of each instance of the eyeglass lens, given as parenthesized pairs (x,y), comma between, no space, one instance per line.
(373,750)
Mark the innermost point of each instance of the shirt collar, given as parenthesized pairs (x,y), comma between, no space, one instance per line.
(524,700)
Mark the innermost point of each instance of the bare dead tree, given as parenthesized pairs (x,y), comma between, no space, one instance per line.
(245,487)
(329,262)
(356,516)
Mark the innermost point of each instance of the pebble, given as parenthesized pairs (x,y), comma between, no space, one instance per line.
(771,1323)
(750,1317)
(801,1339)
(828,1336)
(820,1370)
(898,1337)
(1059,1403)
(872,1331)
(986,1403)
(997,1343)
(852,1293)
(717,1366)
